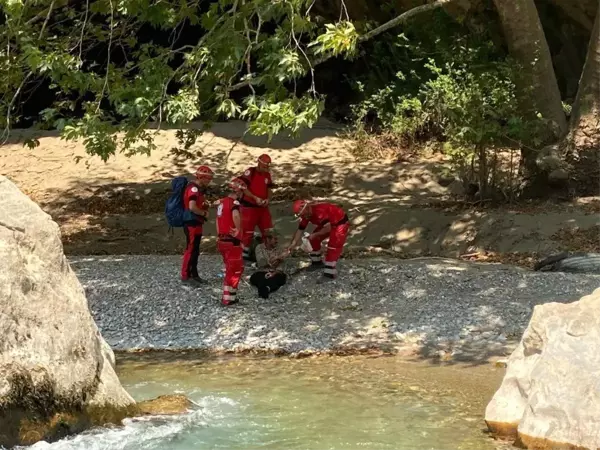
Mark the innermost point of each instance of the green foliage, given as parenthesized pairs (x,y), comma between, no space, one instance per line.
(110,79)
(455,88)
(339,39)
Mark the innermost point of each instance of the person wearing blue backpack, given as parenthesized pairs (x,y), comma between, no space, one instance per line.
(187,208)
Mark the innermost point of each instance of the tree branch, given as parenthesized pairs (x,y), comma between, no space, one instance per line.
(402,18)
(110,39)
(575,12)
(405,16)
(47,19)
(87,9)
(6,132)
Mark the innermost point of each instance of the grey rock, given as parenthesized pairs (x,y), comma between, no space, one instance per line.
(558,176)
(51,351)
(549,158)
(549,396)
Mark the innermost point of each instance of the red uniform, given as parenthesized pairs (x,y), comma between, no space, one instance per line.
(321,215)
(254,215)
(193,232)
(229,245)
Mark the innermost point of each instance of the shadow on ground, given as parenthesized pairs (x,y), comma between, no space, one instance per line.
(427,309)
(398,208)
(128,218)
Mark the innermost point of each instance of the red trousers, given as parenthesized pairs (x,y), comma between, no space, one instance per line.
(234,267)
(253,217)
(189,266)
(335,246)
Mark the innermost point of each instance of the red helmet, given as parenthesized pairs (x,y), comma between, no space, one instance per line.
(299,206)
(204,171)
(264,159)
(237,185)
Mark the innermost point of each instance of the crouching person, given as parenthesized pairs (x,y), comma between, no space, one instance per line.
(229,232)
(331,223)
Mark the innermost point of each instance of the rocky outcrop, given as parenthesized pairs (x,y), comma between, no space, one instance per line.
(550,395)
(56,372)
(165,405)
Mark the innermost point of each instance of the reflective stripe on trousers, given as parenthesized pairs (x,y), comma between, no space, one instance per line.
(229,293)
(330,269)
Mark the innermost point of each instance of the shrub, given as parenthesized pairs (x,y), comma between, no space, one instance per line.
(463,94)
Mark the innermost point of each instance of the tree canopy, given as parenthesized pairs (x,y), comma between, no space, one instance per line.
(103,58)
(116,69)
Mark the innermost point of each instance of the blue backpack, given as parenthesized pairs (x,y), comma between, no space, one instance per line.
(174,210)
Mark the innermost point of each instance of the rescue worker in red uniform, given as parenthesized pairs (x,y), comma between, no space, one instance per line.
(255,202)
(194,201)
(229,233)
(331,223)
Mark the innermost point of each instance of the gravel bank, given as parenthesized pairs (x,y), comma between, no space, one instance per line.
(434,308)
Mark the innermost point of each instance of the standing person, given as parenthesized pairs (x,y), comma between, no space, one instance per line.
(229,233)
(255,202)
(195,214)
(331,222)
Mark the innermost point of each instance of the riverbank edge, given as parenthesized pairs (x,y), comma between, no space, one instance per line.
(405,354)
(433,309)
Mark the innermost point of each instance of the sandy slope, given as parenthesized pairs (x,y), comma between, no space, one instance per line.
(116,207)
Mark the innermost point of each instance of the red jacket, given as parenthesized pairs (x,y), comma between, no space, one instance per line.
(258,183)
(324,213)
(225,225)
(194,192)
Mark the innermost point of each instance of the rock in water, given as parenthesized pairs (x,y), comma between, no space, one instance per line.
(165,405)
(56,370)
(550,395)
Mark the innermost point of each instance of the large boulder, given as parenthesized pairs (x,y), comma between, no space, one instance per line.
(550,395)
(56,371)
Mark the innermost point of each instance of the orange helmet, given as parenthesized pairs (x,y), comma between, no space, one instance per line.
(237,185)
(264,159)
(204,171)
(299,206)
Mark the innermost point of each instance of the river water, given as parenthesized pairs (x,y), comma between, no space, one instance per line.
(325,403)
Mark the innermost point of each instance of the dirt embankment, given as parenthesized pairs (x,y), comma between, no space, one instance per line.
(395,207)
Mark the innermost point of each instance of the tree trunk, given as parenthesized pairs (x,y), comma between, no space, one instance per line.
(527,44)
(581,11)
(584,136)
(539,89)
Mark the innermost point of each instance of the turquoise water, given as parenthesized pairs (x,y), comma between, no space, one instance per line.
(322,403)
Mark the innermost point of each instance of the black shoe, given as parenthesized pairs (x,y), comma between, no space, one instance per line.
(325,278)
(191,283)
(316,266)
(229,302)
(198,280)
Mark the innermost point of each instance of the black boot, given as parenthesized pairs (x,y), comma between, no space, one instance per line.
(197,279)
(191,283)
(316,265)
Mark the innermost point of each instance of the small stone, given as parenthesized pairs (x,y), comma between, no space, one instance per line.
(558,176)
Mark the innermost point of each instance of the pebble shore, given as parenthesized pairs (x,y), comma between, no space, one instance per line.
(430,307)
